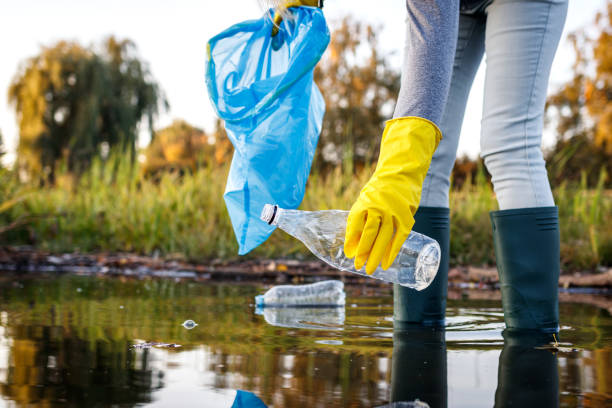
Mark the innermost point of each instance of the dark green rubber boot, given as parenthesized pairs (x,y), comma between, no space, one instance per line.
(527,252)
(426,307)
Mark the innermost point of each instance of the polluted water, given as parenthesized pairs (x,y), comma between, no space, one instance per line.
(93,363)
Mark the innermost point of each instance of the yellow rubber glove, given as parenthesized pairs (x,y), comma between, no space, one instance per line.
(382,217)
(285,4)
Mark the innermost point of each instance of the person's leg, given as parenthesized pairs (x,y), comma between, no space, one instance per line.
(432,218)
(520,42)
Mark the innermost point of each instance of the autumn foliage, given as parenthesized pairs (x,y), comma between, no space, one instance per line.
(581,110)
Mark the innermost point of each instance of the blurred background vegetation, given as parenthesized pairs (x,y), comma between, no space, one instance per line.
(74,103)
(80,183)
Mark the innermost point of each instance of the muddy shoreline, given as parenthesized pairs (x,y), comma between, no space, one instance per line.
(30,260)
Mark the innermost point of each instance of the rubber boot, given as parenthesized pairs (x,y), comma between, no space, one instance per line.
(419,369)
(527,252)
(528,373)
(426,307)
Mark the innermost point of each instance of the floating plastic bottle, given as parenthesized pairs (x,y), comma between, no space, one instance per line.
(321,318)
(322,294)
(322,232)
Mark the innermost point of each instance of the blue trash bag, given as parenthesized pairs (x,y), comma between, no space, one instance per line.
(245,399)
(263,88)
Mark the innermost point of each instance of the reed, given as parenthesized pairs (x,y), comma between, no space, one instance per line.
(113,207)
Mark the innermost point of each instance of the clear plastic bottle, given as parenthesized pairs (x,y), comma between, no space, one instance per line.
(326,293)
(322,232)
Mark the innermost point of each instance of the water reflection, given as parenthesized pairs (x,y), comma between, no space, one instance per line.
(68,341)
(527,374)
(419,367)
(50,364)
(331,318)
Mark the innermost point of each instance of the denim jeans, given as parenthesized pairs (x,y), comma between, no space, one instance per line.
(519,38)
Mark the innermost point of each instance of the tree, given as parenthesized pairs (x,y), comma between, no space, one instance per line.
(598,88)
(72,100)
(179,147)
(2,150)
(360,90)
(223,147)
(581,108)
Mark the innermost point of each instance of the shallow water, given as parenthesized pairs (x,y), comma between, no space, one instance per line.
(82,341)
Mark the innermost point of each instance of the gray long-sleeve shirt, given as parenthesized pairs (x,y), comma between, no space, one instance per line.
(431,39)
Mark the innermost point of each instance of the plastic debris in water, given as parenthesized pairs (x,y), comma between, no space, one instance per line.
(148,345)
(189,324)
(326,293)
(557,348)
(406,404)
(321,318)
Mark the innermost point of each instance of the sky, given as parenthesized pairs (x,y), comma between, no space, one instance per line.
(171,37)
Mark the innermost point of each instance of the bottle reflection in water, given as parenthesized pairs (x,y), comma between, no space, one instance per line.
(327,318)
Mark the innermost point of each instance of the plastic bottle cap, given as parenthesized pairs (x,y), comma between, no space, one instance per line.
(268,213)
(259,300)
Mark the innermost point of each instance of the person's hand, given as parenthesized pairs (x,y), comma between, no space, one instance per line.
(382,217)
(285,4)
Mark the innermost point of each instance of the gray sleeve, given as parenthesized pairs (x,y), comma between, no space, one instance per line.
(431,39)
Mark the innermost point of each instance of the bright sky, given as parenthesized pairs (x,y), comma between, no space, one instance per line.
(171,37)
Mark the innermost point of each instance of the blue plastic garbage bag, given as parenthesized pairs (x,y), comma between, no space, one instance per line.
(245,399)
(263,88)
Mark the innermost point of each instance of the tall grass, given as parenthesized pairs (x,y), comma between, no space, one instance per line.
(113,207)
(586,223)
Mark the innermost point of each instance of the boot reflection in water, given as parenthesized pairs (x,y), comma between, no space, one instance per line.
(527,375)
(419,367)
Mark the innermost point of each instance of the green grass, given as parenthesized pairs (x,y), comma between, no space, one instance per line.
(114,208)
